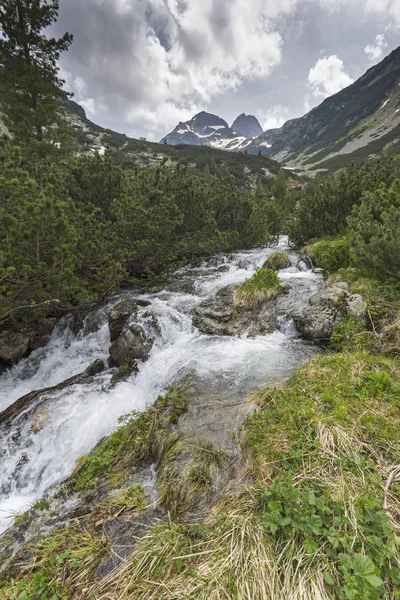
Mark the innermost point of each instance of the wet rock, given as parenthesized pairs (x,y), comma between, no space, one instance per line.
(44,329)
(39,419)
(326,309)
(124,535)
(131,346)
(221,316)
(46,326)
(122,313)
(98,366)
(123,373)
(304,263)
(119,317)
(13,347)
(23,403)
(185,285)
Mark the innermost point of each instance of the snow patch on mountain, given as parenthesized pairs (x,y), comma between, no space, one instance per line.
(205,129)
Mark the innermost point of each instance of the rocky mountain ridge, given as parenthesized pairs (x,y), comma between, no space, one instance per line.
(356,123)
(206,129)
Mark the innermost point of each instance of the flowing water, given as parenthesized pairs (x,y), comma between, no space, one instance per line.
(80,415)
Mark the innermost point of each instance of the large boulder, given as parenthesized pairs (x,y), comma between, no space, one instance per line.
(121,314)
(132,345)
(13,347)
(326,309)
(222,316)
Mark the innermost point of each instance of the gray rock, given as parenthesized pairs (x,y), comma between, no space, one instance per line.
(132,345)
(121,314)
(220,316)
(186,285)
(326,309)
(13,347)
(356,307)
(95,368)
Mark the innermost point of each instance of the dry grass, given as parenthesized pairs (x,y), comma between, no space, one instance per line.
(235,561)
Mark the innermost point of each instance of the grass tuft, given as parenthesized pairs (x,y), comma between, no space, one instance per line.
(277,261)
(263,286)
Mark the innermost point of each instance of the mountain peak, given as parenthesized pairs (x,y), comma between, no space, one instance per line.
(206,129)
(205,119)
(247,125)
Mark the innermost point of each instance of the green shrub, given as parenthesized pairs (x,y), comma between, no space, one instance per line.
(374,229)
(352,336)
(330,254)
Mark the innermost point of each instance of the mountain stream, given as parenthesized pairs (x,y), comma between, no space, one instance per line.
(80,415)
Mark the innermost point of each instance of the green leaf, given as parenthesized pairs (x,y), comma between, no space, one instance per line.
(328,578)
(315,524)
(363,565)
(310,546)
(374,581)
(311,498)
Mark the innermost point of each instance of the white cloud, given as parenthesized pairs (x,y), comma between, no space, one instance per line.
(146,63)
(388,8)
(159,54)
(274,117)
(375,51)
(328,76)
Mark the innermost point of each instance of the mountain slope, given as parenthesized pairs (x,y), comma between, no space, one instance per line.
(93,138)
(205,129)
(354,123)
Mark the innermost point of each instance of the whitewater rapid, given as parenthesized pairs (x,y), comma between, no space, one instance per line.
(79,416)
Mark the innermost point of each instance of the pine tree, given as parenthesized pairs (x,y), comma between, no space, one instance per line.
(30,89)
(279,187)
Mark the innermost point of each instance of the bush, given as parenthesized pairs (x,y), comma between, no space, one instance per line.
(74,228)
(330,254)
(326,203)
(374,229)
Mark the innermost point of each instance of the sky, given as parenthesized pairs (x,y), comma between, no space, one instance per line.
(141,66)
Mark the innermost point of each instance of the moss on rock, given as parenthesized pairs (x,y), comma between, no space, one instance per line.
(277,261)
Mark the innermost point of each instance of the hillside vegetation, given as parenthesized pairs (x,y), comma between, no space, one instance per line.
(246,169)
(76,228)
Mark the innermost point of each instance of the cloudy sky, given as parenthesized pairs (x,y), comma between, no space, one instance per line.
(141,66)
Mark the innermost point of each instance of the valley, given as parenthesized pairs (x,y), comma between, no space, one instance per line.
(199,338)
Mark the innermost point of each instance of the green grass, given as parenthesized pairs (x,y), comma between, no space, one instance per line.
(263,286)
(276,261)
(136,439)
(327,443)
(381,335)
(317,518)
